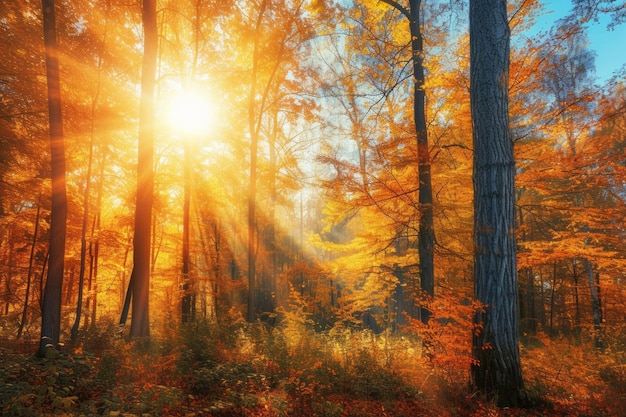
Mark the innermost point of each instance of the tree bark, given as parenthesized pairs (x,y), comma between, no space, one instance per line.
(495,369)
(140,277)
(51,307)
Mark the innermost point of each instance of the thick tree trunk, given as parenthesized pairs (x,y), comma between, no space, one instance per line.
(51,307)
(140,279)
(495,369)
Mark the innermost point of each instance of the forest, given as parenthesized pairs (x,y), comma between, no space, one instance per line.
(275,208)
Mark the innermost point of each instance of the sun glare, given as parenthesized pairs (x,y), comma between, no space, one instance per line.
(191,114)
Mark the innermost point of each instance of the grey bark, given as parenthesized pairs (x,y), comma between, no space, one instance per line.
(495,369)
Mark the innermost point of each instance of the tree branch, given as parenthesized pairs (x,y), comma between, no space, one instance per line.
(398,7)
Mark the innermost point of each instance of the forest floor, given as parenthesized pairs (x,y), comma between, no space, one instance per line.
(258,371)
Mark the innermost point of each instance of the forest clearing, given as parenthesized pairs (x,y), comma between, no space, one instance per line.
(311,208)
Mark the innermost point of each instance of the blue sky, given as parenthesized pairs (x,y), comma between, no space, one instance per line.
(610,46)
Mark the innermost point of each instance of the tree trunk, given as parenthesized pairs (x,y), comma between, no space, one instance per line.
(269,283)
(495,369)
(94,247)
(139,284)
(187,298)
(254,122)
(29,274)
(51,307)
(426,233)
(426,230)
(577,320)
(8,260)
(552,298)
(596,305)
(83,232)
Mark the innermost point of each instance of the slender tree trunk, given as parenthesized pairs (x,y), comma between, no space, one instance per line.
(254,144)
(44,268)
(186,302)
(426,230)
(530,300)
(596,305)
(215,289)
(552,297)
(29,274)
(426,233)
(51,308)
(577,321)
(269,285)
(7,260)
(94,240)
(94,247)
(542,299)
(495,369)
(83,232)
(139,284)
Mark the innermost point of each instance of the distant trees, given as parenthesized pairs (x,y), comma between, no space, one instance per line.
(565,208)
(275,105)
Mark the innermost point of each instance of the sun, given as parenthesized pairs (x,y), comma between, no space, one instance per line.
(191,114)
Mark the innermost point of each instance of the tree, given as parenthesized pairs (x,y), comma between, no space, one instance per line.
(278,48)
(139,285)
(426,232)
(254,123)
(495,368)
(51,308)
(593,9)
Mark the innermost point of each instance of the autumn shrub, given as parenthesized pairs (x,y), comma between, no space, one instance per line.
(100,339)
(367,378)
(202,342)
(32,385)
(214,379)
(613,370)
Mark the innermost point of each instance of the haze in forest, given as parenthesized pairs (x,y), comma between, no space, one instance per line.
(312,208)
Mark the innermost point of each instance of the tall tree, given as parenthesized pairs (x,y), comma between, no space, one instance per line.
(51,308)
(254,124)
(279,42)
(426,231)
(495,368)
(139,285)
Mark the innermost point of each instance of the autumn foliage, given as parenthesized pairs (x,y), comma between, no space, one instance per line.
(283,241)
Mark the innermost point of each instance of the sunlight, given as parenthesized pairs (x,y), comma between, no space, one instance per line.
(191,114)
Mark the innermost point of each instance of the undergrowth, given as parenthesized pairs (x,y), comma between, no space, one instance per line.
(291,370)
